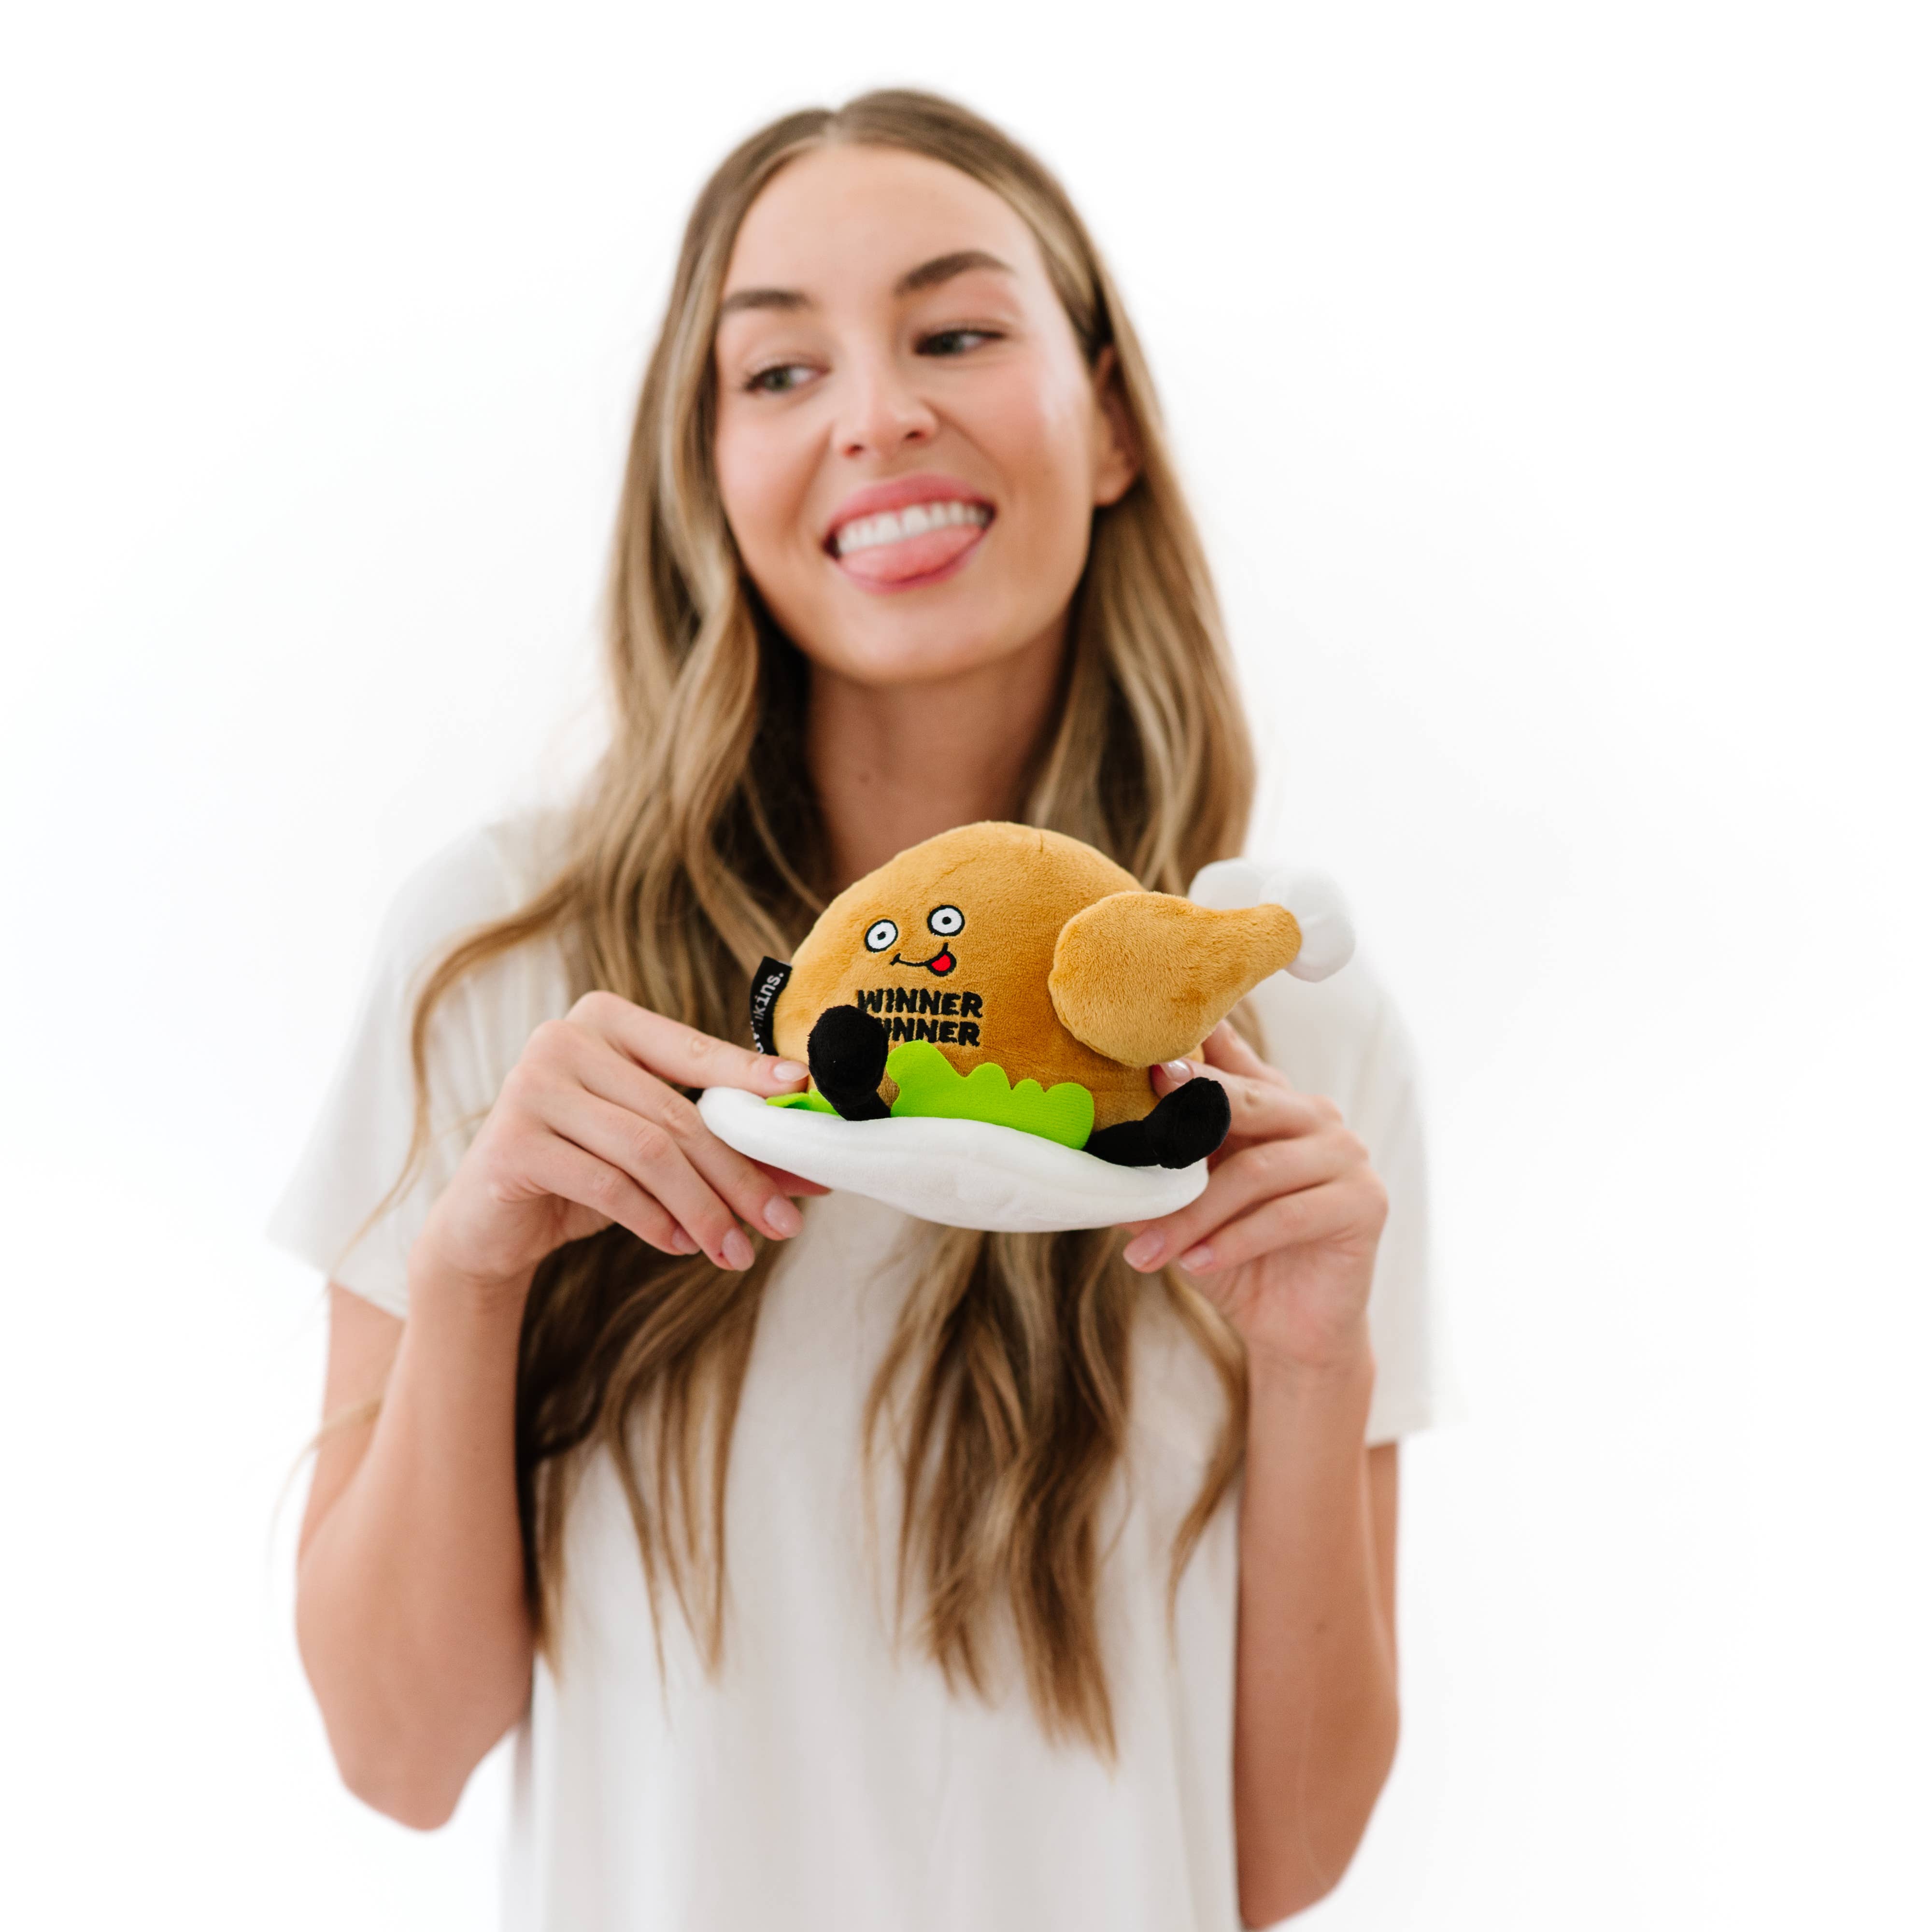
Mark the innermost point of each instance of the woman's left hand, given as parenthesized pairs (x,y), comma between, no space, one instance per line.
(1283,1239)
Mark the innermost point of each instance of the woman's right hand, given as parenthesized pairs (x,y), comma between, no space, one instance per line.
(589,1128)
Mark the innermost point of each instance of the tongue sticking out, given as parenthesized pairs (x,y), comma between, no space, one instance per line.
(942,961)
(912,556)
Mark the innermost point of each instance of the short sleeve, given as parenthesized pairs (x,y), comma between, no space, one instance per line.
(360,1143)
(1342,1037)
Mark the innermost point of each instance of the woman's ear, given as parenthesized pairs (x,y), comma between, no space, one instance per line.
(1117,456)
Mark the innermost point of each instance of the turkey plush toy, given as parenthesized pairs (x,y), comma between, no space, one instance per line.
(981,1017)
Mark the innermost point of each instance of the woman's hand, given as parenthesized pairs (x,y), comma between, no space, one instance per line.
(1284,1236)
(589,1129)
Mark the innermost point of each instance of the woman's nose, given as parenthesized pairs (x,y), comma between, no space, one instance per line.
(883,411)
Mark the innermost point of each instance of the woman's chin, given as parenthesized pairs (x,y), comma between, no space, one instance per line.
(923,650)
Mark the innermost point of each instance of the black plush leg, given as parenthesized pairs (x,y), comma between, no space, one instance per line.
(1186,1125)
(847,1051)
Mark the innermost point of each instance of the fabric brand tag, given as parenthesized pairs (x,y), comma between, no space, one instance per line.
(767,983)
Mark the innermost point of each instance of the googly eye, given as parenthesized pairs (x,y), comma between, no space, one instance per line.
(879,934)
(945,920)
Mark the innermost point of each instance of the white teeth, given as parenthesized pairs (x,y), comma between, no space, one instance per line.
(915,520)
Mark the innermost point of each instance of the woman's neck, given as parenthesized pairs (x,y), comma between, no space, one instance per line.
(895,764)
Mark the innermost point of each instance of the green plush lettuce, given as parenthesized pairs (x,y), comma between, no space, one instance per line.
(929,1086)
(811,1100)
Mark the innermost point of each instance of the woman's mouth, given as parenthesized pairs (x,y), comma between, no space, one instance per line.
(916,543)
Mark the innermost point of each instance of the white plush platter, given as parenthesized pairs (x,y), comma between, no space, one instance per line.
(962,1173)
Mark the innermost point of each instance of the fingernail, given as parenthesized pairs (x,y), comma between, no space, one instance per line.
(786,1071)
(736,1249)
(1198,1258)
(682,1241)
(781,1217)
(1144,1251)
(1177,1070)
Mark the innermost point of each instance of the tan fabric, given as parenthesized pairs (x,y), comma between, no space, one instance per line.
(1061,967)
(1145,976)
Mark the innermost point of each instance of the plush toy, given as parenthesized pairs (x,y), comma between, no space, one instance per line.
(981,1016)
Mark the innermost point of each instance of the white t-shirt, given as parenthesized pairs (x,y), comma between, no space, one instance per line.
(822,1784)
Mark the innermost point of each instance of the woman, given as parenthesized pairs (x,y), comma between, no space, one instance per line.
(900,549)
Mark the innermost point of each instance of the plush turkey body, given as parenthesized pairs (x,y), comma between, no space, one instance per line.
(989,905)
(1016,887)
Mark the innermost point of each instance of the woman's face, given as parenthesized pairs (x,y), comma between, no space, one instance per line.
(909,444)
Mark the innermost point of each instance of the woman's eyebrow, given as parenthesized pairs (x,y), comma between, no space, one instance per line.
(943,268)
(785,298)
(927,275)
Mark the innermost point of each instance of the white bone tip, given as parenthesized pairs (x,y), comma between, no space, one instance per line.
(1228,884)
(1327,936)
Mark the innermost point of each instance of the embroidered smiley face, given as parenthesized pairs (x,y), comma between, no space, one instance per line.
(944,921)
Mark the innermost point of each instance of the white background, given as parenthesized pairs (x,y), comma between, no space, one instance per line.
(1552,384)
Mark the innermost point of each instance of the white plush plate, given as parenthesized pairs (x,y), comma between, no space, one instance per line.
(963,1174)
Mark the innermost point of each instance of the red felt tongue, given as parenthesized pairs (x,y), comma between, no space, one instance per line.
(942,961)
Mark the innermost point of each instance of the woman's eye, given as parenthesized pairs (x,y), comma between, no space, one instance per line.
(776,381)
(880,934)
(945,920)
(955,341)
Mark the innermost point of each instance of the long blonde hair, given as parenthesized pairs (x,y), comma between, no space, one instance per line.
(698,846)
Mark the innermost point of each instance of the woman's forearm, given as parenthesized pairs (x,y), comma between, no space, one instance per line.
(410,1610)
(1315,1703)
